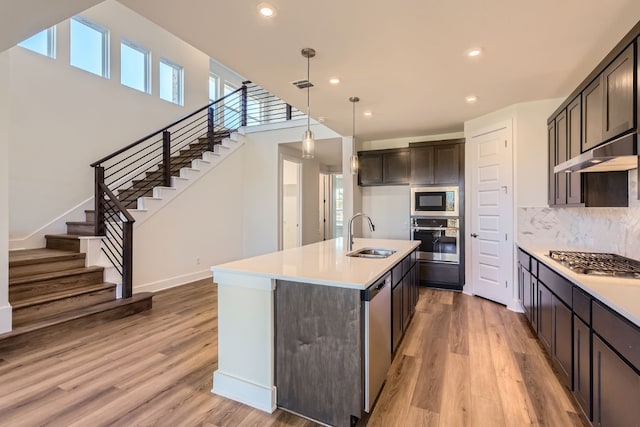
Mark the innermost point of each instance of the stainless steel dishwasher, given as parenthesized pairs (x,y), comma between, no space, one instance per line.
(377,336)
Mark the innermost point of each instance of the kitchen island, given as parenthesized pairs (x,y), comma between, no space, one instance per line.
(291,327)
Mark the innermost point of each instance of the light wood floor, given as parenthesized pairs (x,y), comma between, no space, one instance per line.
(464,361)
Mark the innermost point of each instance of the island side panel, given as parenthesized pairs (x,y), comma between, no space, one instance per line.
(319,351)
(246,340)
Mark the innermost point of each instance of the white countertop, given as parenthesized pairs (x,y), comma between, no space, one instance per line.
(323,263)
(620,294)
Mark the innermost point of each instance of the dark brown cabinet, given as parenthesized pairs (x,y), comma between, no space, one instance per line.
(561,156)
(575,186)
(582,364)
(396,316)
(435,163)
(619,94)
(403,297)
(562,346)
(528,287)
(551,140)
(545,316)
(383,167)
(592,114)
(616,389)
(370,168)
(395,167)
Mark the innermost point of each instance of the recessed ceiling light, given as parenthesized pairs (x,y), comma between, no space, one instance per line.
(367,113)
(474,52)
(334,80)
(266,10)
(471,99)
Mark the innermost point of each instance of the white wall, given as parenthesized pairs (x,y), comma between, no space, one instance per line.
(200,227)
(530,151)
(389,209)
(62,123)
(5,102)
(261,189)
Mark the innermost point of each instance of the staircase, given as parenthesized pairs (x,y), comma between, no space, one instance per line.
(51,289)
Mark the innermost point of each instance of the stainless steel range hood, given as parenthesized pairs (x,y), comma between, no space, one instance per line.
(618,155)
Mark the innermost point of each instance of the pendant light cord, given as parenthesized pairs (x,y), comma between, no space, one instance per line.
(308,92)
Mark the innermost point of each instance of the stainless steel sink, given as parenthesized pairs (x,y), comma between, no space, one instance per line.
(372,253)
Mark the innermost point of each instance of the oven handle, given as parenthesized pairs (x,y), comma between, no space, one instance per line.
(435,228)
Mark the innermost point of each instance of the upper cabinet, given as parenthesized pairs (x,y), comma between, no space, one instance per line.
(383,167)
(423,163)
(436,163)
(618,87)
(575,193)
(593,102)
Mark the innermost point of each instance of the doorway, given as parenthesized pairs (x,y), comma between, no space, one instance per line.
(291,207)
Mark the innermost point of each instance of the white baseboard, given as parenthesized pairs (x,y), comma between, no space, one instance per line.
(35,239)
(516,306)
(254,395)
(172,282)
(6,319)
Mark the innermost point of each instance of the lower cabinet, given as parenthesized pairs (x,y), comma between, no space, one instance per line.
(396,316)
(582,364)
(562,348)
(616,389)
(545,316)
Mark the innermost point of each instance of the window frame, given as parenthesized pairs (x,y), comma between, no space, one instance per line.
(51,42)
(147,64)
(180,86)
(106,36)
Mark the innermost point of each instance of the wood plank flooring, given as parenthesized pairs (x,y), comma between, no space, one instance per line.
(464,361)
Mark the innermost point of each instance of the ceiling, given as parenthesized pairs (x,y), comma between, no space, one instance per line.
(328,153)
(405,60)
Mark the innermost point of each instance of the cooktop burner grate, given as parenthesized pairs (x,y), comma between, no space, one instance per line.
(596,263)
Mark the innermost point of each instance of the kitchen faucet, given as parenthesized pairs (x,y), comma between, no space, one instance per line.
(371,227)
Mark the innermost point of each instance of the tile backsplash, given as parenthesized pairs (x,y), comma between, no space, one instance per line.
(600,229)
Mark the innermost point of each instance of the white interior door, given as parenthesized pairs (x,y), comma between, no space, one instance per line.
(491,212)
(291,204)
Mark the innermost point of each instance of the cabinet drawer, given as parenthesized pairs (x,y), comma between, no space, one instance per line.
(396,274)
(556,283)
(439,273)
(618,332)
(524,259)
(582,305)
(534,267)
(406,265)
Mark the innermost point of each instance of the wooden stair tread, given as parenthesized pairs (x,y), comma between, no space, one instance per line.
(76,314)
(53,275)
(80,223)
(65,236)
(55,296)
(36,256)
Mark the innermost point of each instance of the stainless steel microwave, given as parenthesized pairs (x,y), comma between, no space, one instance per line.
(434,201)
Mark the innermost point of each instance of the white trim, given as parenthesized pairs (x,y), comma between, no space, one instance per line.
(247,392)
(172,282)
(35,239)
(6,318)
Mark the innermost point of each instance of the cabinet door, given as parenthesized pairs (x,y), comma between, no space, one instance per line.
(395,167)
(545,316)
(592,114)
(422,164)
(574,140)
(582,365)
(369,169)
(619,95)
(527,295)
(551,141)
(406,300)
(616,389)
(446,164)
(561,156)
(396,316)
(562,348)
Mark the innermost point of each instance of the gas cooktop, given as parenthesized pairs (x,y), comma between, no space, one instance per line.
(597,263)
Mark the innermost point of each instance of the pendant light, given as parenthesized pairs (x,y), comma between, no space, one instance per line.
(354,157)
(308,144)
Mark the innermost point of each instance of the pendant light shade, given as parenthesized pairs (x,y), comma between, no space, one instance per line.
(308,144)
(354,164)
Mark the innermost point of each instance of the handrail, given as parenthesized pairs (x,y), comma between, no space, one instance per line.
(116,202)
(133,171)
(144,138)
